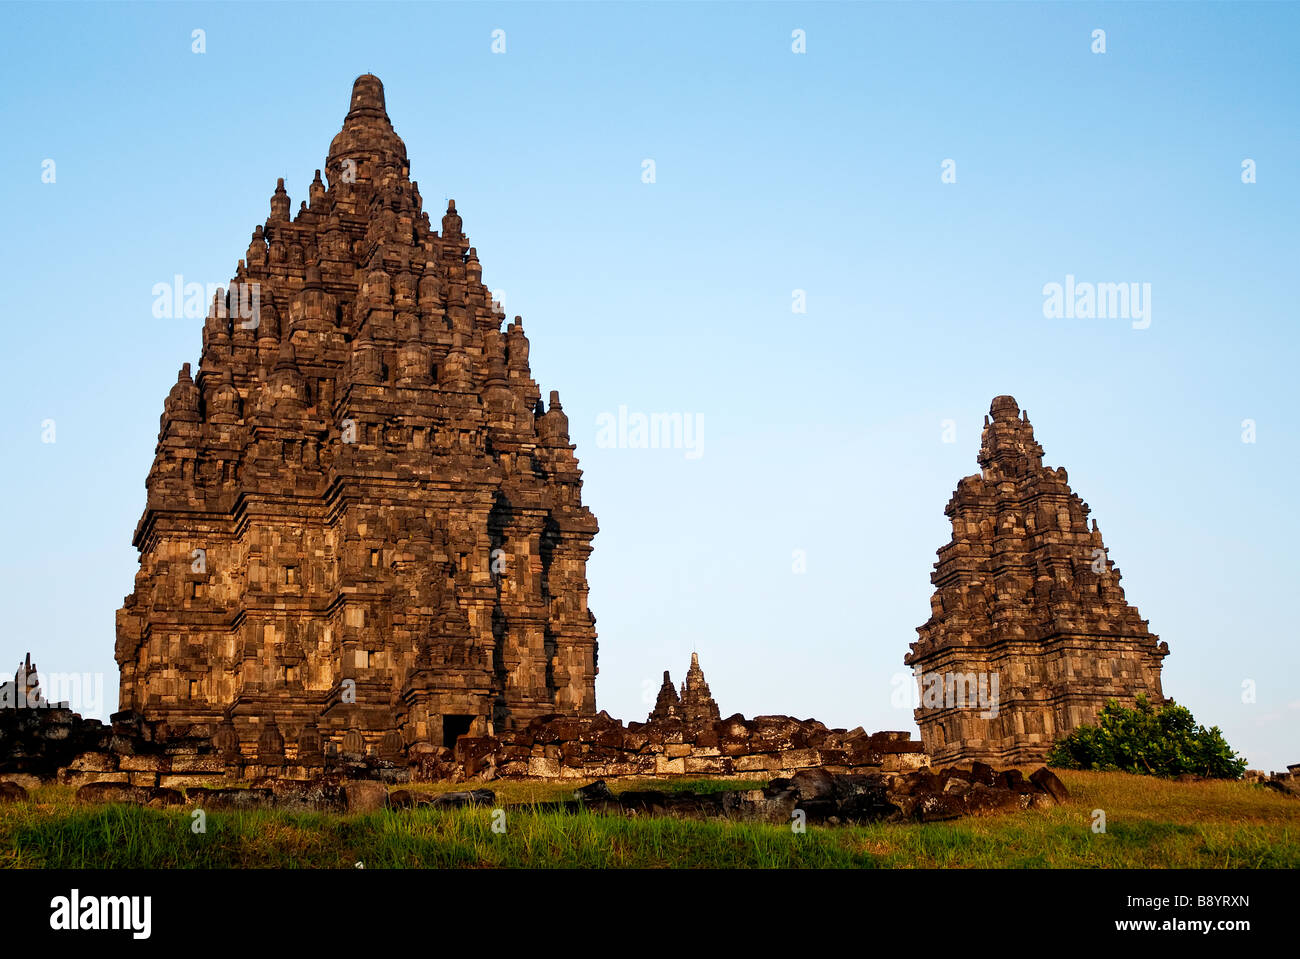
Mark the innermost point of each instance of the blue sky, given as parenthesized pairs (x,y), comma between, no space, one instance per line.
(774,172)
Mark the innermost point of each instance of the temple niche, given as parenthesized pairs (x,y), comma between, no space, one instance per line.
(364,531)
(1029,633)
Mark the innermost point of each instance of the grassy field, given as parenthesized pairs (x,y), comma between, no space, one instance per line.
(1149,823)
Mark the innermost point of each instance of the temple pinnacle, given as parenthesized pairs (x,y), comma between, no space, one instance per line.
(368,97)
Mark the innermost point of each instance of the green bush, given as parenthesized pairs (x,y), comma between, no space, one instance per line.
(1142,739)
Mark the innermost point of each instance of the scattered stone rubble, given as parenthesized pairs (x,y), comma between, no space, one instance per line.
(1287,782)
(602,747)
(833,775)
(822,796)
(56,745)
(50,744)
(833,798)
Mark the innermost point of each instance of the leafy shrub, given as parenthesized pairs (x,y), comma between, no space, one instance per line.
(1142,739)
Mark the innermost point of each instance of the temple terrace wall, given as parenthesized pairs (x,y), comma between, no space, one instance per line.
(54,745)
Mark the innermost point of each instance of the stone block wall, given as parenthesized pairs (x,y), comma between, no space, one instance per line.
(764,747)
(50,745)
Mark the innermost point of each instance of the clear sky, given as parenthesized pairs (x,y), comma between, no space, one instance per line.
(774,171)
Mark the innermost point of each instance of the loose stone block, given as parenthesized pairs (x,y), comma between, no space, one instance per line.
(94,762)
(544,768)
(365,796)
(69,777)
(706,766)
(24,780)
(187,780)
(798,758)
(12,792)
(198,764)
(141,764)
(669,767)
(761,762)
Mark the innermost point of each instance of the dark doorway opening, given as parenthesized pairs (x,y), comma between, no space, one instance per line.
(454,726)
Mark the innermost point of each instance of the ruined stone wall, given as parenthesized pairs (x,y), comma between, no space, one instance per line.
(56,746)
(52,745)
(601,747)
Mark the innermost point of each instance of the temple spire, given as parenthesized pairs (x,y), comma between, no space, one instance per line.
(698,705)
(368,98)
(1024,589)
(1007,445)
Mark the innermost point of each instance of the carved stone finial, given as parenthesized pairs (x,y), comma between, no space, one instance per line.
(451,221)
(368,97)
(280,201)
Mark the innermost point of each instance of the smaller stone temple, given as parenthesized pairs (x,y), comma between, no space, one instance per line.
(694,705)
(363,530)
(1029,631)
(24,690)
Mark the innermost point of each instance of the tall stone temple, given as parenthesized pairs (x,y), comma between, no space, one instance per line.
(1027,606)
(363,526)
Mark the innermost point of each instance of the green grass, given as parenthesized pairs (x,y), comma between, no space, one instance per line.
(1150,823)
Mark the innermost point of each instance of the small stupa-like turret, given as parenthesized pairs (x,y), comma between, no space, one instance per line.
(697,702)
(668,705)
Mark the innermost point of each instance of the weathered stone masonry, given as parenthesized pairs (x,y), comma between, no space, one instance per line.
(364,531)
(1025,592)
(42,743)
